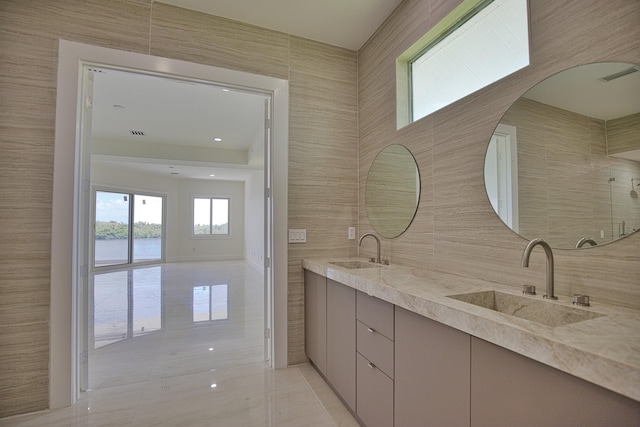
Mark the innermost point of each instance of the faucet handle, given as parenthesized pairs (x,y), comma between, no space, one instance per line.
(581,300)
(529,290)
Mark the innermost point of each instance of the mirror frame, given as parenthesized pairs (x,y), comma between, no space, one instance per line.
(388,207)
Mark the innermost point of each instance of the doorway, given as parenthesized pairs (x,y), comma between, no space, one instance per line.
(203,145)
(70,188)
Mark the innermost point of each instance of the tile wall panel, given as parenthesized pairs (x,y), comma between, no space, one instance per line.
(24,359)
(623,134)
(467,237)
(323,165)
(196,37)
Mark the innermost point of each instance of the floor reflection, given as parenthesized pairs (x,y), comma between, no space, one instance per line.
(126,304)
(173,319)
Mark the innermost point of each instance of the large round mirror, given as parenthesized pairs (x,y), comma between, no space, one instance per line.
(564,162)
(392,192)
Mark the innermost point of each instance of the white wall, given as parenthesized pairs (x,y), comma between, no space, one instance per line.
(254,220)
(179,245)
(219,247)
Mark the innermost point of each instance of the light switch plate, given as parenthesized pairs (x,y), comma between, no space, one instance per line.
(297,235)
(352,233)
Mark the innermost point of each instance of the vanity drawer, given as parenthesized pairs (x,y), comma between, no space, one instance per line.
(377,314)
(374,403)
(377,348)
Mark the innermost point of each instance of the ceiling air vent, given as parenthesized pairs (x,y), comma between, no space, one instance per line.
(137,132)
(619,74)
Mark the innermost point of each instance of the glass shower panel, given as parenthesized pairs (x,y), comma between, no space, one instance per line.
(625,203)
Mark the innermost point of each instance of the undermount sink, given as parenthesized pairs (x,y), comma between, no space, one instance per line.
(544,312)
(355,264)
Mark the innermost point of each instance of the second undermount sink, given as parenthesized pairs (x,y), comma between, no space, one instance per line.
(355,264)
(544,312)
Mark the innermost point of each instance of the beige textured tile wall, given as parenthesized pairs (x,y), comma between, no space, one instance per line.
(323,172)
(456,230)
(322,165)
(624,134)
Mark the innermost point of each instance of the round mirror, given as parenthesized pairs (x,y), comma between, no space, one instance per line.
(564,162)
(392,192)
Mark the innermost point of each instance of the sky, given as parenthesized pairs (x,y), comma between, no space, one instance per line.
(113,207)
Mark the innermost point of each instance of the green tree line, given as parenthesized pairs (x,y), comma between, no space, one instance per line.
(205,229)
(117,230)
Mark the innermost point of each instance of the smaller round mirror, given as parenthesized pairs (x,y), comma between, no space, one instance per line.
(392,191)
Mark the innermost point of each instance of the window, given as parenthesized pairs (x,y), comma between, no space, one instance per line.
(478,43)
(128,228)
(210,216)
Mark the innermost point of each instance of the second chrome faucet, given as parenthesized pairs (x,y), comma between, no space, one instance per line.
(547,250)
(377,244)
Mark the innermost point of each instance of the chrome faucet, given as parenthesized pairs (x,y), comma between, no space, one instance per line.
(584,240)
(547,250)
(377,243)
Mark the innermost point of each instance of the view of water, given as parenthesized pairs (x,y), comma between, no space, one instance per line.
(108,252)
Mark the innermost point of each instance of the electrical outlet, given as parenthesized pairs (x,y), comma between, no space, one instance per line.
(297,235)
(352,233)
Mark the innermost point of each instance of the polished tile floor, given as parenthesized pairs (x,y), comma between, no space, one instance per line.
(181,344)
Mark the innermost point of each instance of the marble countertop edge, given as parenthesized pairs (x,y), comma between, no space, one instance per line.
(604,351)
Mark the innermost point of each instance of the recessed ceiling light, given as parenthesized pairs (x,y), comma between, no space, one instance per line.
(212,175)
(225,90)
(217,139)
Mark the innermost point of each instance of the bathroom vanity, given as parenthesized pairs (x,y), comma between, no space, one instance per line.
(400,351)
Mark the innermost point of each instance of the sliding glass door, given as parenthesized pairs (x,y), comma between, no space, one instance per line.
(128,228)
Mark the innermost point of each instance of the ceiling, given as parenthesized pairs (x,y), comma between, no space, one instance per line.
(344,23)
(581,90)
(169,127)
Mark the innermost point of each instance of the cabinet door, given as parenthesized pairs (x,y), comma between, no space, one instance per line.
(508,389)
(432,373)
(375,395)
(315,319)
(341,341)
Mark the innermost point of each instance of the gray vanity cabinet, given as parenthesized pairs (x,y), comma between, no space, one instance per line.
(375,355)
(432,373)
(341,341)
(508,389)
(315,319)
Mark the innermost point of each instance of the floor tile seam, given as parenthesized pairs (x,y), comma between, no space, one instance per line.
(315,394)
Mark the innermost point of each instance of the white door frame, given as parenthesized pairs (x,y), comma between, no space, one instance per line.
(72,57)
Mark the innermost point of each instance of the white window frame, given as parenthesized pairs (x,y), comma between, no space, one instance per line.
(452,68)
(210,235)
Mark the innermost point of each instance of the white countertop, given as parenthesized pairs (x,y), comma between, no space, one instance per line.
(604,350)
